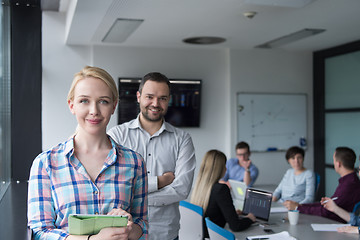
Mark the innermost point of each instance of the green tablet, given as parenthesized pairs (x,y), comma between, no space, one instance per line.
(85,224)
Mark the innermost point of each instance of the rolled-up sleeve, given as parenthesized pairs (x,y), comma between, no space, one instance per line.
(180,188)
(139,209)
(41,212)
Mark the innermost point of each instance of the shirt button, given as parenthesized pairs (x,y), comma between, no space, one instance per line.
(149,154)
(149,172)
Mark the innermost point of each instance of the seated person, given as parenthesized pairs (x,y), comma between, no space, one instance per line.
(214,197)
(298,183)
(349,217)
(241,168)
(347,192)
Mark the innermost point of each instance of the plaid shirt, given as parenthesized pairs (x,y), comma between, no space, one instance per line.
(59,186)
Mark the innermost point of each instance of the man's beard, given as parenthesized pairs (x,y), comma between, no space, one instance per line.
(145,114)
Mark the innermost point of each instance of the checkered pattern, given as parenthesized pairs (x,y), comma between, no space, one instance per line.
(59,186)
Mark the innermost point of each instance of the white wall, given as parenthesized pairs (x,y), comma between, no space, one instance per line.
(272,71)
(209,65)
(224,73)
(60,63)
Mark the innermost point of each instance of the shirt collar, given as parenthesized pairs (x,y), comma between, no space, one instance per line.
(348,177)
(164,127)
(69,145)
(69,150)
(114,152)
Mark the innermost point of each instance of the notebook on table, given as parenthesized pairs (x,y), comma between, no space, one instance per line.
(258,202)
(238,190)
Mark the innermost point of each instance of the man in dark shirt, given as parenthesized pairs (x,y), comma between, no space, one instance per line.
(347,193)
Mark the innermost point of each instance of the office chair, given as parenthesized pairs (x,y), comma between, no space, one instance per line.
(356,209)
(317,182)
(218,233)
(191,221)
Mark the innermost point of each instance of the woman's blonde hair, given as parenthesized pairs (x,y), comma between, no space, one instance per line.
(211,170)
(94,72)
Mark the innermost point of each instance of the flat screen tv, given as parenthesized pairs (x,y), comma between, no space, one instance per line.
(184,104)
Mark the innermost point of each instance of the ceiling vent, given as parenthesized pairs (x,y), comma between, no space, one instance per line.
(307,32)
(121,30)
(280,3)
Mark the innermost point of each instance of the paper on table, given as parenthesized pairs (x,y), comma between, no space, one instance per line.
(327,227)
(278,209)
(278,236)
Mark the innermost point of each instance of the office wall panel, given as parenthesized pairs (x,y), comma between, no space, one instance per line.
(26,88)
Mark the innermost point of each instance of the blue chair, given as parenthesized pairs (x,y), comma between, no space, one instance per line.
(356,209)
(218,233)
(317,182)
(191,221)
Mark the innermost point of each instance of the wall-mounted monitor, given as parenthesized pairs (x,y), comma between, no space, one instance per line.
(184,104)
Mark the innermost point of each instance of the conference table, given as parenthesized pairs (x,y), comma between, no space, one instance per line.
(301,231)
(279,222)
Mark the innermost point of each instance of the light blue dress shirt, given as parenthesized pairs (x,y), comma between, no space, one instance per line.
(237,172)
(169,150)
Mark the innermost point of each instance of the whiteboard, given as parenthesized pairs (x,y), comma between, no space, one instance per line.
(272,122)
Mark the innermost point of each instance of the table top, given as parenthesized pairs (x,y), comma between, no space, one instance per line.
(303,230)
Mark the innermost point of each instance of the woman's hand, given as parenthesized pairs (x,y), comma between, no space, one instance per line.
(114,233)
(135,230)
(251,216)
(130,232)
(290,205)
(119,211)
(348,229)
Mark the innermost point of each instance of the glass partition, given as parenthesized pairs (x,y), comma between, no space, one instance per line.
(342,81)
(332,181)
(342,129)
(342,109)
(5,98)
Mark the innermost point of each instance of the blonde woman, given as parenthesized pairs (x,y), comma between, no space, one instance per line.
(215,197)
(89,173)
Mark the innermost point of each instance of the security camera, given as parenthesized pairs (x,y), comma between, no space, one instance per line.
(249,15)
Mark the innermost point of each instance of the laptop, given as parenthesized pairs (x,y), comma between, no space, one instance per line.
(258,202)
(238,190)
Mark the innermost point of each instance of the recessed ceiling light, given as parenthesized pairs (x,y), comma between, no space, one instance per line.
(307,32)
(204,40)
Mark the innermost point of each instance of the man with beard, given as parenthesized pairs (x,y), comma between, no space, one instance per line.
(168,152)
